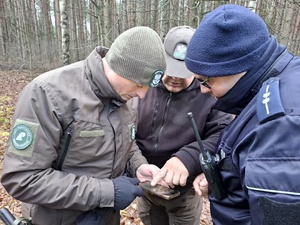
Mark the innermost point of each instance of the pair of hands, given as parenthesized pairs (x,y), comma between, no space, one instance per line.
(172,173)
(126,190)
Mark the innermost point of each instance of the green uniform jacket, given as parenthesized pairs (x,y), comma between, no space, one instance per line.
(72,134)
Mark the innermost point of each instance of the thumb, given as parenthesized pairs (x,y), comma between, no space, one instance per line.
(134,181)
(203,183)
(138,191)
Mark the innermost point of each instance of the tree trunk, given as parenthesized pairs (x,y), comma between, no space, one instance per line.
(73,31)
(57,24)
(36,36)
(49,51)
(65,33)
(165,16)
(3,30)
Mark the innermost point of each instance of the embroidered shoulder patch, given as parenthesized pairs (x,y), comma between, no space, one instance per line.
(22,138)
(156,78)
(269,105)
(131,128)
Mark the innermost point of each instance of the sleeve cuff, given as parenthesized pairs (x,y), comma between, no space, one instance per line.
(107,193)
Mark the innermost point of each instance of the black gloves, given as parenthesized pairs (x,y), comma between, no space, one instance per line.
(125,191)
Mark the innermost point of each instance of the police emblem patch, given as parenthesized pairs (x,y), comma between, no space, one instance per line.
(21,137)
(156,77)
(269,105)
(132,131)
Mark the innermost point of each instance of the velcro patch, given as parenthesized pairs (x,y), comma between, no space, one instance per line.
(92,133)
(269,105)
(278,213)
(23,138)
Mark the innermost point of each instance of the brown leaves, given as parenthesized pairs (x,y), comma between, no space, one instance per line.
(130,216)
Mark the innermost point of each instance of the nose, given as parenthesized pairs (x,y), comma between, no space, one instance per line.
(142,92)
(204,89)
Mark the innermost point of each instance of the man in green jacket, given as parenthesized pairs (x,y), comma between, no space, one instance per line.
(74,131)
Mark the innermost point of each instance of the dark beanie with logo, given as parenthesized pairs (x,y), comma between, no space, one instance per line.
(229,40)
(138,54)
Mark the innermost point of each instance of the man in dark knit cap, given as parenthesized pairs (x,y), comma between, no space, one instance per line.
(74,132)
(253,76)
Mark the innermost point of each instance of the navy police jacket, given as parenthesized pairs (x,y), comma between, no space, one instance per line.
(260,149)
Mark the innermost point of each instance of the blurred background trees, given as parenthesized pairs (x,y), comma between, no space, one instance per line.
(50,33)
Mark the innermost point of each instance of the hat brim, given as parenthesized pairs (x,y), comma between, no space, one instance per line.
(176,68)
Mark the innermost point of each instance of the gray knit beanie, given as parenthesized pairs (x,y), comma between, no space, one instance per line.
(138,54)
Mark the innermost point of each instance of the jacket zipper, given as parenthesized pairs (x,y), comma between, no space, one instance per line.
(111,109)
(66,148)
(163,122)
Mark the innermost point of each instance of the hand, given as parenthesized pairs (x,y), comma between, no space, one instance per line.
(146,172)
(126,190)
(200,185)
(173,173)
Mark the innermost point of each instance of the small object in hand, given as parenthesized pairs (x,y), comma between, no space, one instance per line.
(159,190)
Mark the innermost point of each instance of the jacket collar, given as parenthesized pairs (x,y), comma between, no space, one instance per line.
(94,72)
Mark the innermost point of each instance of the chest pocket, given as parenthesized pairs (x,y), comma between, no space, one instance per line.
(82,138)
(276,190)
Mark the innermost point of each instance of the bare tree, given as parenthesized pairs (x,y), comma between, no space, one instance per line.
(26,30)
(155,15)
(47,31)
(73,30)
(3,30)
(65,33)
(33,33)
(57,17)
(165,15)
(35,27)
(93,34)
(295,37)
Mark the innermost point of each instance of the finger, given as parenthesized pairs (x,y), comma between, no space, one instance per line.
(138,191)
(176,179)
(163,183)
(169,177)
(204,192)
(203,186)
(133,180)
(203,183)
(158,177)
(183,179)
(197,186)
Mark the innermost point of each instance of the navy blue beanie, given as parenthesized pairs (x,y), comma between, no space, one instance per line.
(229,40)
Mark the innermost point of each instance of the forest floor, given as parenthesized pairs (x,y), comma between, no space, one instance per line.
(11,83)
